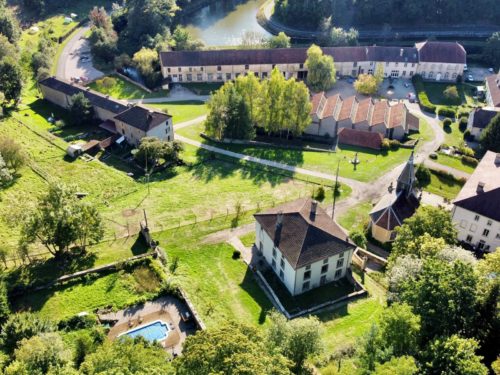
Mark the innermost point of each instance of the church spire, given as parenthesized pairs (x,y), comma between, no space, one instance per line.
(407,179)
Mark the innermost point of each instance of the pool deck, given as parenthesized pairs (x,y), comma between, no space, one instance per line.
(166,309)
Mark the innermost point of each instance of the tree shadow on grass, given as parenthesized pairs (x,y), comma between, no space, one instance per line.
(213,165)
(249,284)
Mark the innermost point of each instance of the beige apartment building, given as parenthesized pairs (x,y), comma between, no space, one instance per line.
(441,61)
(132,122)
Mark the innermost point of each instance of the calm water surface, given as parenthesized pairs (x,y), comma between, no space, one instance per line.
(225,22)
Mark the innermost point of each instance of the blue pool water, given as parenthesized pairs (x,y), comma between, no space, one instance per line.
(155,331)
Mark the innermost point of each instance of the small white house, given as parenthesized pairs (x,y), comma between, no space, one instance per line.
(303,245)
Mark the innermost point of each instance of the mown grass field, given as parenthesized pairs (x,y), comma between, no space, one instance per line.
(373,164)
(443,186)
(123,89)
(355,217)
(454,162)
(183,110)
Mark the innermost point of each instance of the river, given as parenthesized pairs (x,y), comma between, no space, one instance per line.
(225,22)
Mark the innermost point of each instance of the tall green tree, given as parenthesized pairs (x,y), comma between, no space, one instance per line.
(250,88)
(23,326)
(61,220)
(9,26)
(490,137)
(229,115)
(444,296)
(300,109)
(80,109)
(297,339)
(155,150)
(279,41)
(428,222)
(4,304)
(11,79)
(147,62)
(182,40)
(321,69)
(491,51)
(454,355)
(399,330)
(230,349)
(397,366)
(127,356)
(42,354)
(271,112)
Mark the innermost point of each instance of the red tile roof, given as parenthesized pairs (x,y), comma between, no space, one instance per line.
(331,104)
(379,113)
(315,101)
(346,109)
(362,110)
(396,115)
(360,138)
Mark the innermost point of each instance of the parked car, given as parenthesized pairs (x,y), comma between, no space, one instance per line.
(465,68)
(470,78)
(491,70)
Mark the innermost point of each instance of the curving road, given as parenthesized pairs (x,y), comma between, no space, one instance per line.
(69,64)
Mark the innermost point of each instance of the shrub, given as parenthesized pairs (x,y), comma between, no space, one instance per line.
(236,254)
(433,156)
(447,111)
(462,124)
(320,194)
(451,93)
(77,322)
(463,113)
(385,144)
(394,144)
(469,160)
(467,135)
(464,150)
(423,175)
(358,238)
(447,122)
(423,99)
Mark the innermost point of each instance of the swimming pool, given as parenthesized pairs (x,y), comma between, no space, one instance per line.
(154,331)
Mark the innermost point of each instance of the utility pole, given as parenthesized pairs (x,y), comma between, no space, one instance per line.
(335,190)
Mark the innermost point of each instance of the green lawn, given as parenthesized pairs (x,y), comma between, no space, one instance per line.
(183,110)
(453,136)
(220,287)
(215,187)
(115,289)
(373,163)
(454,162)
(123,89)
(435,90)
(356,217)
(443,186)
(248,239)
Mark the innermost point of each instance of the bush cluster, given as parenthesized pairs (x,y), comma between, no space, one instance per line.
(469,160)
(392,144)
(447,111)
(423,99)
(447,122)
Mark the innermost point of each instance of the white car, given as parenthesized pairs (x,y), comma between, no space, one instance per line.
(470,78)
(465,68)
(491,70)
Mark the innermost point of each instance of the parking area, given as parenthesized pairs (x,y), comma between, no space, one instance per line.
(389,89)
(478,73)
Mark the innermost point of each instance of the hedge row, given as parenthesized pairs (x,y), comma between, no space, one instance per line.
(447,111)
(423,99)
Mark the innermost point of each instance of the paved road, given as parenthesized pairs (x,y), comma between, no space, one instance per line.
(69,64)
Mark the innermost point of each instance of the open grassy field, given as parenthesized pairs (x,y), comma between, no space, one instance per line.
(453,136)
(248,239)
(115,289)
(454,162)
(215,187)
(183,110)
(123,89)
(356,217)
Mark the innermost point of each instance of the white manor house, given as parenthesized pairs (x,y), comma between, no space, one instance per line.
(440,61)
